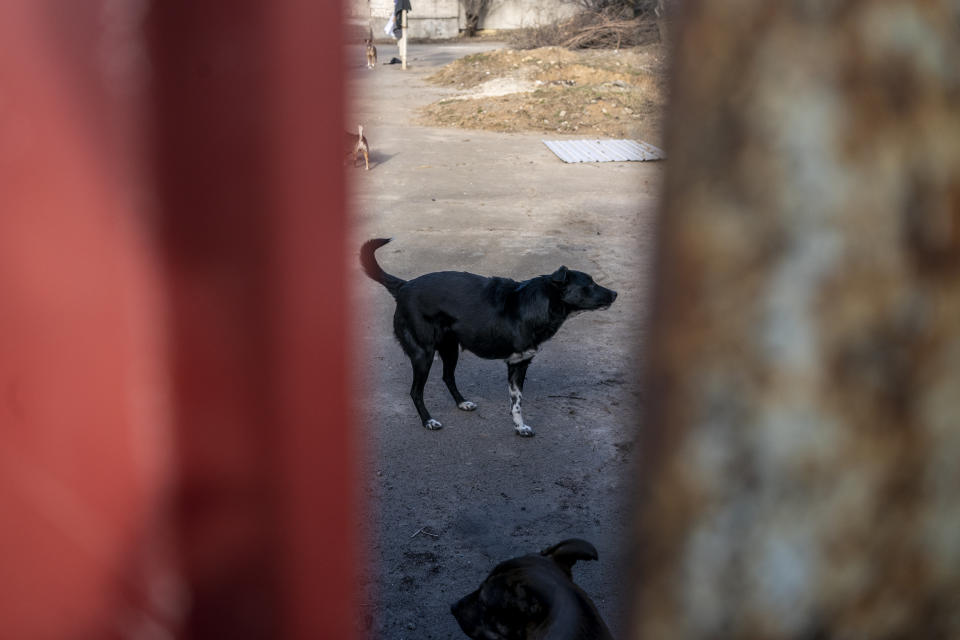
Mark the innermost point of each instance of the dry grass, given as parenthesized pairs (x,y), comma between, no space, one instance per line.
(590,30)
(603,93)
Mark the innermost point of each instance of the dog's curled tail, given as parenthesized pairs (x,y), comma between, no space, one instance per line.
(566,553)
(369,263)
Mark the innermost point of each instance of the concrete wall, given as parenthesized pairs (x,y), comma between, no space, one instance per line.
(516,14)
(428,19)
(445,18)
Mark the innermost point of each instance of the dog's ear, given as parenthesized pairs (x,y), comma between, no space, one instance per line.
(566,553)
(559,277)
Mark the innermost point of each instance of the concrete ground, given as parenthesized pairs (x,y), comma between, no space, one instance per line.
(450,504)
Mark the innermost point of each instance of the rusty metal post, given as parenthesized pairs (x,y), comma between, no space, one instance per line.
(252,226)
(800,451)
(177,449)
(85,446)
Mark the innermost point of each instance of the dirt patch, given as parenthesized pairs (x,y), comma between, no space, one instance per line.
(604,93)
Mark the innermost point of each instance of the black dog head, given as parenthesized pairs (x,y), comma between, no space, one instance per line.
(580,292)
(533,597)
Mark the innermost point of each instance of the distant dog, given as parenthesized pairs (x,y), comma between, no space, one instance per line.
(356,145)
(371,54)
(494,318)
(533,597)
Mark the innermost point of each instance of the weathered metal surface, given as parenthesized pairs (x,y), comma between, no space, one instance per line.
(604,150)
(799,473)
(246,150)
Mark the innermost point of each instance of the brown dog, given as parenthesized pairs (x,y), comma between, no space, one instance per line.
(356,145)
(371,54)
(533,597)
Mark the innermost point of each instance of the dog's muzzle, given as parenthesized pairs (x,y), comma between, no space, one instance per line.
(608,299)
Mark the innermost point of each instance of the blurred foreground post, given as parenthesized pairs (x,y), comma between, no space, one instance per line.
(247,133)
(800,473)
(85,447)
(176,441)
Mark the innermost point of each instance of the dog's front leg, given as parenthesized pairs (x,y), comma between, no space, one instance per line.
(516,372)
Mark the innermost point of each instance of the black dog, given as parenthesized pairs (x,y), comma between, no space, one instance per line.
(533,597)
(495,318)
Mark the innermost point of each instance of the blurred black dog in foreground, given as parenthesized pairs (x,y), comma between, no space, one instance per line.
(533,597)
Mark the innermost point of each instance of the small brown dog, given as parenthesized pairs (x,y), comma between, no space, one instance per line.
(371,54)
(355,144)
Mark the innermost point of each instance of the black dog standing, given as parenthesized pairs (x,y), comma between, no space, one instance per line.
(494,318)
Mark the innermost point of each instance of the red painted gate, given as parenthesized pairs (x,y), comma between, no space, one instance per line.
(174,388)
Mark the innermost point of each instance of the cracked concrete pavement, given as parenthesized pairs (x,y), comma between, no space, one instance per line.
(448,505)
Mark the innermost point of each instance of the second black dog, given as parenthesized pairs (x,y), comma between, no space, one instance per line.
(533,597)
(494,318)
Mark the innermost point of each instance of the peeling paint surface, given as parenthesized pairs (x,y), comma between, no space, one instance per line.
(800,444)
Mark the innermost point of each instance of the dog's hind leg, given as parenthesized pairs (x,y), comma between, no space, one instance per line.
(516,373)
(450,352)
(421,358)
(421,361)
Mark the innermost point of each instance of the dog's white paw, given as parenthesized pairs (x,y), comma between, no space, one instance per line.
(466,405)
(433,425)
(525,431)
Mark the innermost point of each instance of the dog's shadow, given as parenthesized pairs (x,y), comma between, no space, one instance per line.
(378,158)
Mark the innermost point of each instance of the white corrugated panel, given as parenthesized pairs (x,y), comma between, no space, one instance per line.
(604,150)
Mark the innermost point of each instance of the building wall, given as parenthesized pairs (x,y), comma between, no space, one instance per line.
(427,19)
(445,18)
(516,14)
